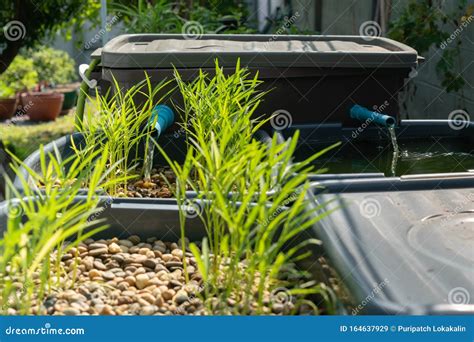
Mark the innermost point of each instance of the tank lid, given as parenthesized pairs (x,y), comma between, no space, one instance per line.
(167,50)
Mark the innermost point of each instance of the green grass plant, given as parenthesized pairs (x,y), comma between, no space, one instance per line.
(39,222)
(117,123)
(252,195)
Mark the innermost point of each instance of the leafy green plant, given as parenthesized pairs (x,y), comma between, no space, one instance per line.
(20,75)
(6,91)
(426,23)
(148,17)
(39,21)
(52,65)
(163,16)
(42,221)
(120,126)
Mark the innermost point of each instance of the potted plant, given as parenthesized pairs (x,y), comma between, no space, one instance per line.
(18,77)
(42,106)
(54,92)
(56,70)
(8,101)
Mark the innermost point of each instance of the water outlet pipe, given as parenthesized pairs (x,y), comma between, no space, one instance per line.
(365,115)
(163,117)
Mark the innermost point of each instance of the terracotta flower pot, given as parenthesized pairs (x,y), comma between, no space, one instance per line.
(42,106)
(7,108)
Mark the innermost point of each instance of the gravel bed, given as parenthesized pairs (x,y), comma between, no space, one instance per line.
(155,187)
(134,277)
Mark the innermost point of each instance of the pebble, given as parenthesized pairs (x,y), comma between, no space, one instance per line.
(99,265)
(114,248)
(126,243)
(118,258)
(134,239)
(160,267)
(159,246)
(173,264)
(278,308)
(107,310)
(135,258)
(159,301)
(148,310)
(177,253)
(71,312)
(150,263)
(96,245)
(98,251)
(94,274)
(123,277)
(125,300)
(108,275)
(130,280)
(141,281)
(148,297)
(168,294)
(181,297)
(88,262)
(66,257)
(167,257)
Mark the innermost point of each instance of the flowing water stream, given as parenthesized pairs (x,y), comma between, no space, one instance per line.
(148,162)
(396,151)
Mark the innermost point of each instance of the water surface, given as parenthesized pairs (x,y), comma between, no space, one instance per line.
(415,156)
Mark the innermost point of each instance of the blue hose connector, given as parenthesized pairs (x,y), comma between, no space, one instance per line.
(363,114)
(163,117)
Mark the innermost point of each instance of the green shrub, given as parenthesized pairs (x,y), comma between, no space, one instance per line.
(53,66)
(163,16)
(19,75)
(6,91)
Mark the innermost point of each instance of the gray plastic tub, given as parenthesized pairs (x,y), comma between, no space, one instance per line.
(369,150)
(401,247)
(314,78)
(160,218)
(151,218)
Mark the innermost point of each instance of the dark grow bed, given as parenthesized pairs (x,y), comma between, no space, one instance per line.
(159,218)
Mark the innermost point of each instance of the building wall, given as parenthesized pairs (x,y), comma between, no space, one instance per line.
(430,99)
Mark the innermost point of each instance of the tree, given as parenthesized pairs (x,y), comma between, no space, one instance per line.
(26,22)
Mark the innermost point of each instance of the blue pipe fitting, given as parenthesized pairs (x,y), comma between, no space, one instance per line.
(363,114)
(163,117)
